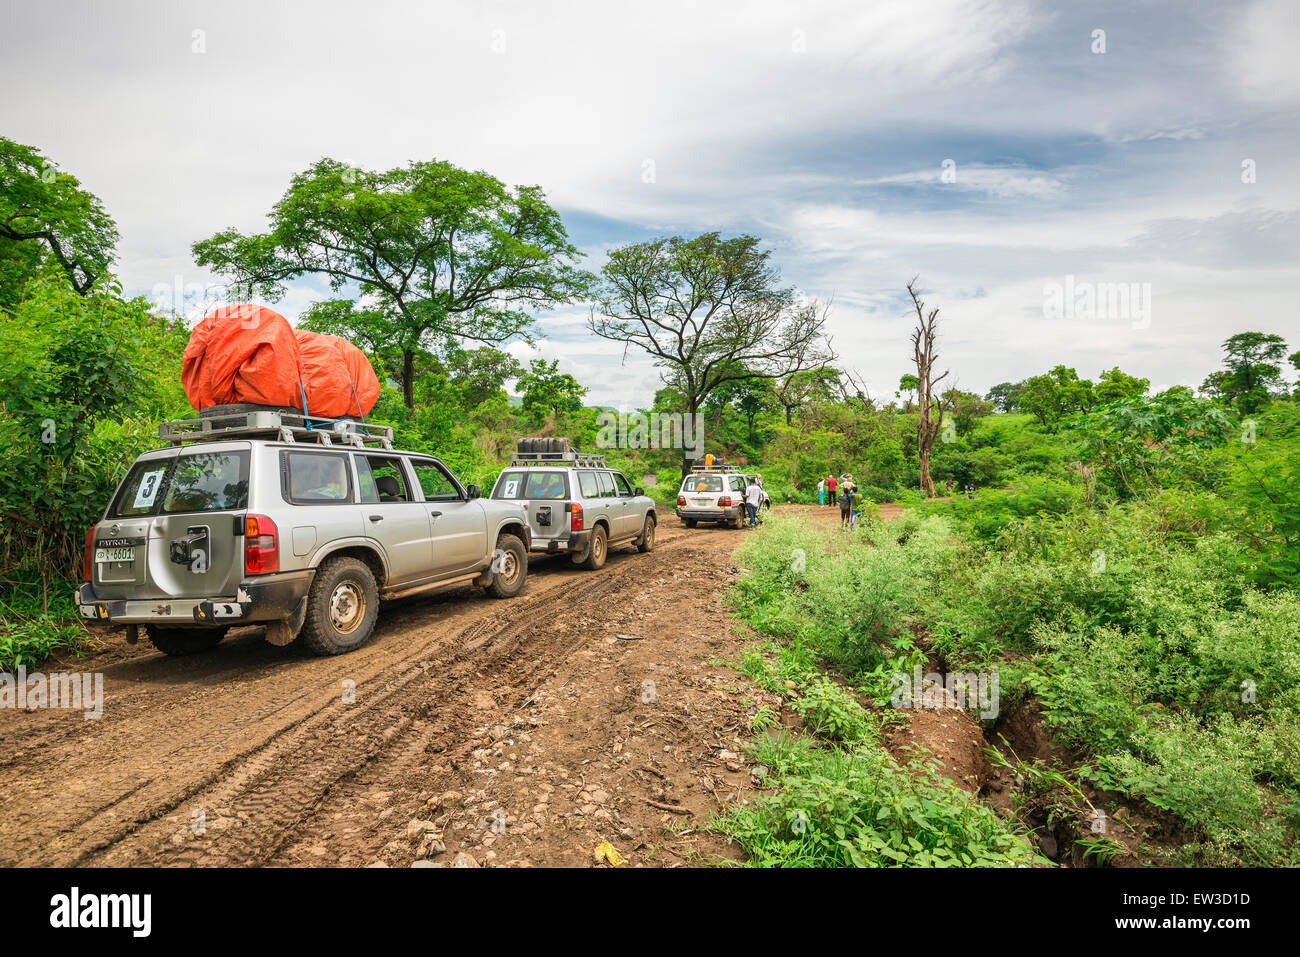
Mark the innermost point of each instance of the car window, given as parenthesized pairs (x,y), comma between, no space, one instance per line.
(197,482)
(737,484)
(435,481)
(621,484)
(540,486)
(382,479)
(317,478)
(587,482)
(139,493)
(606,485)
(702,483)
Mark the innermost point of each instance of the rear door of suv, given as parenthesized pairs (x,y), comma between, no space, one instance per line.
(175,526)
(544,494)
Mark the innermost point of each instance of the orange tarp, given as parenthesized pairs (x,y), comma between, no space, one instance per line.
(242,354)
(339,378)
(251,354)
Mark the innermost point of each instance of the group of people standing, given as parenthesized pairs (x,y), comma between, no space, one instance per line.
(842,491)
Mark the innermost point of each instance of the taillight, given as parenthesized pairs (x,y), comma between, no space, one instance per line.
(88,555)
(681,501)
(575,522)
(261,546)
(724,502)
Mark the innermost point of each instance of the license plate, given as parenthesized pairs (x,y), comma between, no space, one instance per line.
(114,554)
(705,503)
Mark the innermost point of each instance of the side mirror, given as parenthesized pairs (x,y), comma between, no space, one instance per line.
(473,491)
(638,491)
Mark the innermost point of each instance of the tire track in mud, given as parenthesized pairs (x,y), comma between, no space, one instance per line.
(259,737)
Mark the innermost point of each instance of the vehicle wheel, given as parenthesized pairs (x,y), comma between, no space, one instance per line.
(647,542)
(184,641)
(341,607)
(509,575)
(597,549)
(691,522)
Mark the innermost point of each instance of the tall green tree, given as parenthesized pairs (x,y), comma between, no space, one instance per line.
(1114,385)
(1253,362)
(548,391)
(445,255)
(45,211)
(1056,395)
(1005,396)
(708,311)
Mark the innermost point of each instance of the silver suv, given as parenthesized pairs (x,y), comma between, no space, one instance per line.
(300,524)
(575,503)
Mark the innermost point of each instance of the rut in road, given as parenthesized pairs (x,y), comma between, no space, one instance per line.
(258,737)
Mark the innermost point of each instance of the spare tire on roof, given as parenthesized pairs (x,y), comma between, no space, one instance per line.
(242,408)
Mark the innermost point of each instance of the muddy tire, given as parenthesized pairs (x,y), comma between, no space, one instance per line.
(513,562)
(184,641)
(646,543)
(597,550)
(341,607)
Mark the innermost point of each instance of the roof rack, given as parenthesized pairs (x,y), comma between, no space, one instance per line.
(717,468)
(569,457)
(280,426)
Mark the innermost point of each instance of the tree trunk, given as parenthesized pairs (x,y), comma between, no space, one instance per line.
(927,483)
(408,378)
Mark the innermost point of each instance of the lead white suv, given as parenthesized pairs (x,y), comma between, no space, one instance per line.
(711,494)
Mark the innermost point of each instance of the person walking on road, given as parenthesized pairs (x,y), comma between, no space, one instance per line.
(753,499)
(821,491)
(831,484)
(846,500)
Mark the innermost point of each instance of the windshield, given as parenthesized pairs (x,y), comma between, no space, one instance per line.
(544,486)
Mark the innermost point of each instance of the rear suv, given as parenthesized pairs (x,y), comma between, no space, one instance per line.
(575,503)
(303,525)
(714,494)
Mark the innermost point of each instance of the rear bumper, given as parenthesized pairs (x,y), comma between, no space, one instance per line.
(264,598)
(575,542)
(709,514)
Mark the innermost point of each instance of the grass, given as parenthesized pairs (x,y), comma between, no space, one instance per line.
(1157,659)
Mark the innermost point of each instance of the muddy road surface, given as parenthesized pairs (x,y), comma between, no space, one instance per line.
(473,731)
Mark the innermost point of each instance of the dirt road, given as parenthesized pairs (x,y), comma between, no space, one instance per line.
(593,707)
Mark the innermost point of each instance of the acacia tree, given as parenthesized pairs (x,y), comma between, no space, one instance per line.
(709,311)
(40,206)
(929,402)
(440,254)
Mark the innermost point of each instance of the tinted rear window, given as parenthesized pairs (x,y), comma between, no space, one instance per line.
(541,486)
(197,482)
(702,483)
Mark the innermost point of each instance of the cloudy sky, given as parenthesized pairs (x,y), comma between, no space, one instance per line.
(990,147)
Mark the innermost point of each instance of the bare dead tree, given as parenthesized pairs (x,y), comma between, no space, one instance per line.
(929,405)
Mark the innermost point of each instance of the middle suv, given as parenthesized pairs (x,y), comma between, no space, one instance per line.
(575,503)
